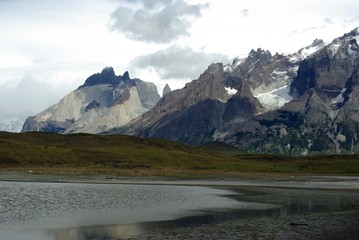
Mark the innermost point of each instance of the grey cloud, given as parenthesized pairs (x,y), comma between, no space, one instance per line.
(177,62)
(158,21)
(245,12)
(328,21)
(28,97)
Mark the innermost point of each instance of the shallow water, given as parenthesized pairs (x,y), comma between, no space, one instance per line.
(59,211)
(33,210)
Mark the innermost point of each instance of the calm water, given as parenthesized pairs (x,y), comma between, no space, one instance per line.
(67,211)
(70,211)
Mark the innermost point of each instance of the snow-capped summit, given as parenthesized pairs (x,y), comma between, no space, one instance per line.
(307,51)
(342,53)
(237,61)
(345,45)
(228,68)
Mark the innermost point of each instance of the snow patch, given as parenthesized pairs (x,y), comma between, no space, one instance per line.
(340,98)
(231,91)
(334,47)
(280,75)
(275,99)
(237,61)
(228,68)
(333,114)
(351,52)
(306,52)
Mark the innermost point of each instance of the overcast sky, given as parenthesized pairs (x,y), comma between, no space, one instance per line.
(49,47)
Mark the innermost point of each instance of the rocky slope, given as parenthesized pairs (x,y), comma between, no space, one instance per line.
(294,104)
(221,98)
(104,101)
(195,113)
(323,117)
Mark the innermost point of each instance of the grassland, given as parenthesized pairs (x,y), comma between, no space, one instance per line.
(84,154)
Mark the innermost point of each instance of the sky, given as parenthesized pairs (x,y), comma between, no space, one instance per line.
(48,48)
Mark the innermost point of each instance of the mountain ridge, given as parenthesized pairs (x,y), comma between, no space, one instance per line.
(292,104)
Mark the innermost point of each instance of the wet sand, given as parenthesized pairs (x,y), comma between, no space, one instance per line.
(305,207)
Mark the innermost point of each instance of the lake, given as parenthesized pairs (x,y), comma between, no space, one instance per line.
(71,211)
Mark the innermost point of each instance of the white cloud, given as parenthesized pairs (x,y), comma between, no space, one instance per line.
(270,24)
(245,12)
(176,62)
(51,47)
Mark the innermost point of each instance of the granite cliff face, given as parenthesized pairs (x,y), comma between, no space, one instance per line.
(194,114)
(104,101)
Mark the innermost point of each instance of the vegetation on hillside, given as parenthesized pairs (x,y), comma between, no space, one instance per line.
(127,155)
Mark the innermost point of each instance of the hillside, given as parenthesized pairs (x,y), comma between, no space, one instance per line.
(80,154)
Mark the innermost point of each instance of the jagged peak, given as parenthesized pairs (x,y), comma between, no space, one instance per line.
(108,70)
(317,42)
(259,51)
(126,76)
(351,34)
(107,76)
(166,90)
(307,51)
(259,54)
(350,38)
(214,67)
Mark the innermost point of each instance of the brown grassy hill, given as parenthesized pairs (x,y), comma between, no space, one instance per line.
(126,155)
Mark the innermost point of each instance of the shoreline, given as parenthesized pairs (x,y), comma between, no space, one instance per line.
(331,182)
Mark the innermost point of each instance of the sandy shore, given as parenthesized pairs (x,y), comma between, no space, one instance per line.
(284,181)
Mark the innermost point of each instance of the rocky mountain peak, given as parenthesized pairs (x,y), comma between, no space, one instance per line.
(214,68)
(104,101)
(166,90)
(260,54)
(107,76)
(126,76)
(108,71)
(317,42)
(329,68)
(352,34)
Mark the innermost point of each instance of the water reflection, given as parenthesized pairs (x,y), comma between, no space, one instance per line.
(45,211)
(134,231)
(98,233)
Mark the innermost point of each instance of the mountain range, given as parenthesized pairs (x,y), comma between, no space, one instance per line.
(293,104)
